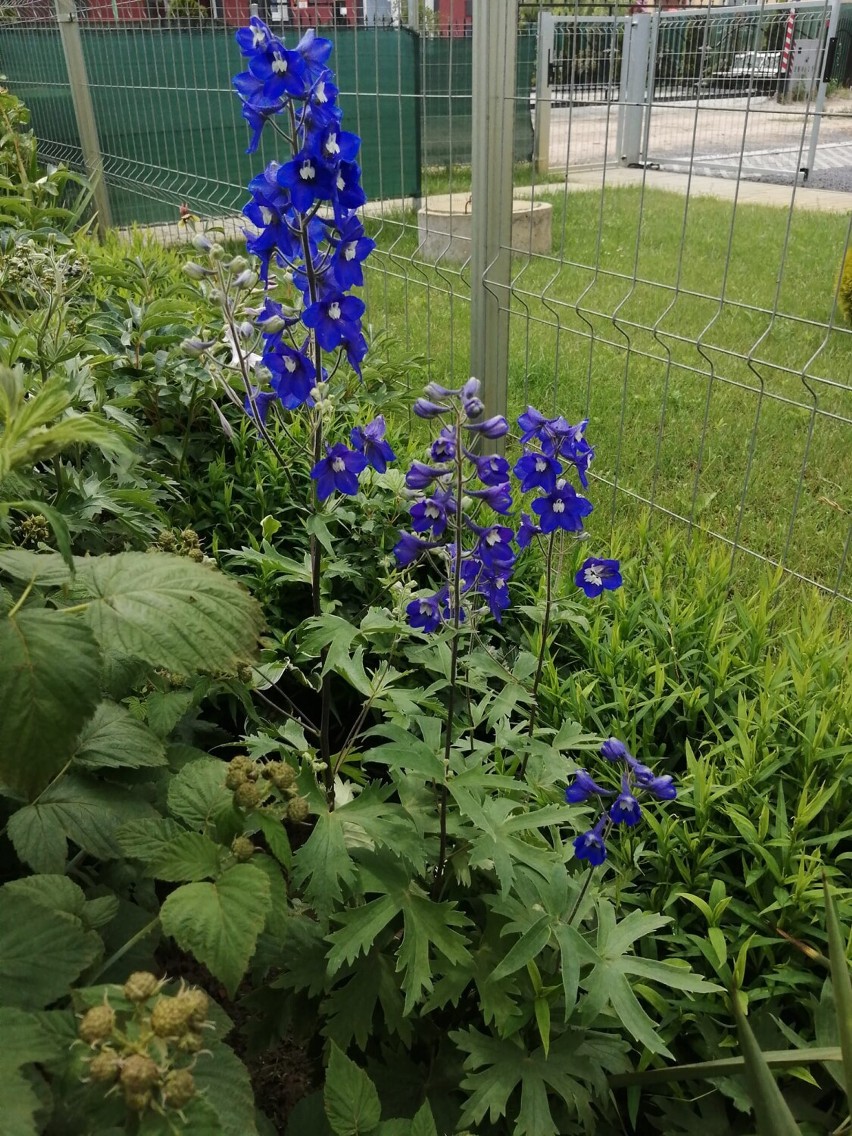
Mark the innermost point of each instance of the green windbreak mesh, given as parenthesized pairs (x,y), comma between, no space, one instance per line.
(447,68)
(169,122)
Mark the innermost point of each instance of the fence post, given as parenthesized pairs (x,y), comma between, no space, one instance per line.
(825,59)
(495,24)
(636,73)
(543,91)
(72,46)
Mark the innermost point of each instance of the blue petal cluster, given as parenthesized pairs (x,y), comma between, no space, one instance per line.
(636,779)
(550,447)
(447,518)
(303,211)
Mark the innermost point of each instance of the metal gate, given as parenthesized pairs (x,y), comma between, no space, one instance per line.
(731,91)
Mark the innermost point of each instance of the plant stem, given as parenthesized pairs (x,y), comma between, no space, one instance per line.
(581,894)
(122,951)
(542,650)
(444,793)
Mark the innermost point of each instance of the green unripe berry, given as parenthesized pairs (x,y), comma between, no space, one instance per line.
(242,849)
(190,1042)
(137,1102)
(179,1088)
(140,986)
(104,1066)
(247,796)
(284,776)
(195,1004)
(170,1017)
(298,809)
(97,1024)
(139,1073)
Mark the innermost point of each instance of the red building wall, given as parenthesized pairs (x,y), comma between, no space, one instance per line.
(454,17)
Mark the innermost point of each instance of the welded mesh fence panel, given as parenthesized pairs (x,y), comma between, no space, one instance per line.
(701,335)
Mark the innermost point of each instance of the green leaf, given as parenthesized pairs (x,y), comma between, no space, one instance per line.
(169,611)
(841,985)
(41,954)
(726,1066)
(56,521)
(145,839)
(224,1081)
(73,808)
(350,1097)
(20,1102)
(361,926)
(427,926)
(423,1123)
(50,678)
(190,856)
(528,946)
(772,1114)
(113,738)
(197,794)
(46,568)
(276,838)
(322,864)
(25,1038)
(219,923)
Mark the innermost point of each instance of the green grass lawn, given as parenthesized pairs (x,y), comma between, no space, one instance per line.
(719,412)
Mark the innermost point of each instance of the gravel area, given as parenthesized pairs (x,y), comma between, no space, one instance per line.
(840,179)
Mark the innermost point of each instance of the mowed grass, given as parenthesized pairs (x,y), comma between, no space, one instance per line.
(696,339)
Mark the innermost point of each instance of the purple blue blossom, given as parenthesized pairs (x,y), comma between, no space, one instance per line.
(595,576)
(370,441)
(338,470)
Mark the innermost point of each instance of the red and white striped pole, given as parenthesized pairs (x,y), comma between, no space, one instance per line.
(788,41)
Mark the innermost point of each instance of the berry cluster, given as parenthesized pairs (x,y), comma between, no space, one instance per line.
(147,1052)
(270,786)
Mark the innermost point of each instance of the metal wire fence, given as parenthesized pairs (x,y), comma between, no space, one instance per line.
(697,322)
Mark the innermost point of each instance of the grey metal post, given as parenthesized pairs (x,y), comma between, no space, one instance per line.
(823,79)
(69,32)
(495,24)
(634,82)
(413,15)
(543,91)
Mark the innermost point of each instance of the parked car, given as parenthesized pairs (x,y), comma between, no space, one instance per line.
(749,72)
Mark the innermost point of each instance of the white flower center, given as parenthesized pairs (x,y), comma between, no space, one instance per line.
(593,576)
(341,184)
(331,146)
(349,251)
(559,506)
(540,465)
(425,607)
(307,172)
(492,539)
(432,512)
(334,311)
(257,37)
(279,64)
(266,215)
(290,364)
(338,465)
(319,93)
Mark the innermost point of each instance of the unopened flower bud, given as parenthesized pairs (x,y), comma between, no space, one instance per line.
(195,346)
(196,271)
(246,279)
(202,243)
(217,252)
(246,330)
(238,264)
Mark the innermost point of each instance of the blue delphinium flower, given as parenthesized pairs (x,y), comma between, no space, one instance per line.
(424,613)
(636,779)
(537,471)
(339,470)
(562,508)
(595,576)
(583,787)
(590,845)
(370,440)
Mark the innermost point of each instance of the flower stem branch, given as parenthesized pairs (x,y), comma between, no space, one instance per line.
(542,650)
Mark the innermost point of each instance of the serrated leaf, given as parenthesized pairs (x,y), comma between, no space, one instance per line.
(276,838)
(25,1038)
(144,839)
(841,985)
(164,709)
(47,568)
(219,923)
(190,856)
(322,864)
(53,892)
(41,954)
(197,794)
(20,1102)
(361,926)
(50,677)
(423,1123)
(350,1097)
(428,926)
(113,739)
(225,1083)
(169,611)
(73,808)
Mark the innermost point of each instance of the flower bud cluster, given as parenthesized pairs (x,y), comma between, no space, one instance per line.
(452,495)
(185,542)
(268,786)
(147,1052)
(303,211)
(636,779)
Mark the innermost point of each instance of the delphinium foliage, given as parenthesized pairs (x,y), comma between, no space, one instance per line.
(428,817)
